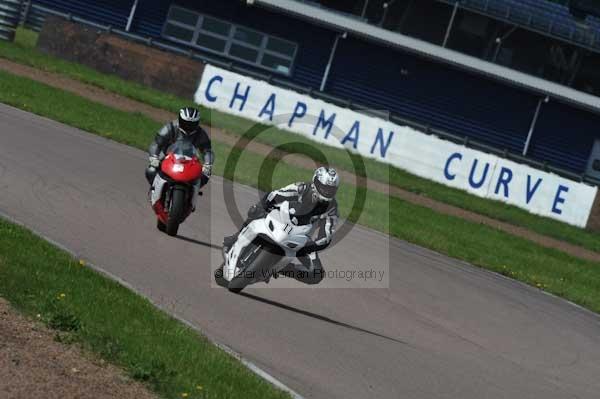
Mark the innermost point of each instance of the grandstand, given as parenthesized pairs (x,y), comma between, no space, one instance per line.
(520,78)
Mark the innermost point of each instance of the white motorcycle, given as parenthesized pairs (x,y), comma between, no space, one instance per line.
(263,248)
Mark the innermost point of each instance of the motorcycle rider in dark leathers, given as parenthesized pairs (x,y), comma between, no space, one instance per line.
(186,127)
(314,202)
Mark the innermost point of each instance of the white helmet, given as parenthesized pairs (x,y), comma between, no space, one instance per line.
(325,183)
(189,120)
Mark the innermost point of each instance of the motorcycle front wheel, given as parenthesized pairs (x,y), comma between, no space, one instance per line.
(176,210)
(259,268)
(161,226)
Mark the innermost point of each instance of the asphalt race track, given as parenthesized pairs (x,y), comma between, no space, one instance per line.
(443,329)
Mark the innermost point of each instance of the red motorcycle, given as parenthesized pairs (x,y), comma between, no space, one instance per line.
(172,194)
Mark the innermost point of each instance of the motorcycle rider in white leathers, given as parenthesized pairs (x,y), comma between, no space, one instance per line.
(315,203)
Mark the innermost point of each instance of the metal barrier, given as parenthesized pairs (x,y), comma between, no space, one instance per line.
(540,16)
(10,14)
(32,17)
(36,13)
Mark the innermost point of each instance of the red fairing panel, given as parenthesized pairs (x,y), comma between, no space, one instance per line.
(159,209)
(181,170)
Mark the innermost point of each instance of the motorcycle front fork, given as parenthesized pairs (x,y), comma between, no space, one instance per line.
(195,194)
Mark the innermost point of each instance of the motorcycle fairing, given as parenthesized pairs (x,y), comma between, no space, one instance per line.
(279,228)
(157,189)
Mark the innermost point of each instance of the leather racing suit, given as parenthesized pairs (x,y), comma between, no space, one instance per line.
(322,214)
(167,135)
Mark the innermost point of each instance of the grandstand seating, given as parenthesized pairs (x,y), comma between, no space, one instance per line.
(379,77)
(433,94)
(540,15)
(108,12)
(150,17)
(564,136)
(462,103)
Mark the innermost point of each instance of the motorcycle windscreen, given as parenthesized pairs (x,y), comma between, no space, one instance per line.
(183,149)
(182,162)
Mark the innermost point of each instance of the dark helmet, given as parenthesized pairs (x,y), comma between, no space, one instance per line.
(325,183)
(189,120)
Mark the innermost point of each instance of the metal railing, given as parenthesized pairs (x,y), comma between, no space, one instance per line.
(9,18)
(524,15)
(346,103)
(30,17)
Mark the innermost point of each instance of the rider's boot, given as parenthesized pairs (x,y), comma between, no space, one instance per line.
(283,272)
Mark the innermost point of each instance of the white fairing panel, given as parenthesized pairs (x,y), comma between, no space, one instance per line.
(277,226)
(230,269)
(157,189)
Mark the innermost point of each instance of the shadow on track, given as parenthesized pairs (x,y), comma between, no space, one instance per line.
(319,317)
(203,243)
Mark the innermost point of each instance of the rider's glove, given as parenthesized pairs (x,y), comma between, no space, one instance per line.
(207,170)
(256,212)
(154,161)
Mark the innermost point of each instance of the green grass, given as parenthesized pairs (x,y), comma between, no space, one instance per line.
(119,326)
(23,51)
(549,269)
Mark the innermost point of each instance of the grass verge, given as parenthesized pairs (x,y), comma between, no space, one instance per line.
(121,327)
(24,51)
(547,269)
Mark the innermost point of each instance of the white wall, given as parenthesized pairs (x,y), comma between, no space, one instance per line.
(424,155)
